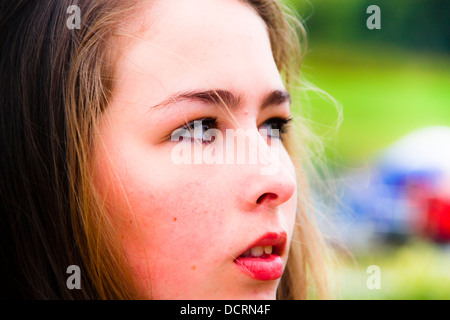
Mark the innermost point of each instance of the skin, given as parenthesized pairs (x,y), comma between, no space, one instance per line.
(182,225)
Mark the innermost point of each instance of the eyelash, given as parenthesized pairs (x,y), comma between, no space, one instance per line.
(281,124)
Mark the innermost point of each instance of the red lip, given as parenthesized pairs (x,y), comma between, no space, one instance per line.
(267,266)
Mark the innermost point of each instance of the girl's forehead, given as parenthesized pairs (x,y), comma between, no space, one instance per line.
(193,23)
(190,44)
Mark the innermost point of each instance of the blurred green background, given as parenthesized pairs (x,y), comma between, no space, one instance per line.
(389,82)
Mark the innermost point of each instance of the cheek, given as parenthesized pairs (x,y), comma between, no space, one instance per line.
(174,243)
(173,220)
(164,218)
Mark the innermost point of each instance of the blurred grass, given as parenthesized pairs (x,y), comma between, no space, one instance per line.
(417,270)
(385,93)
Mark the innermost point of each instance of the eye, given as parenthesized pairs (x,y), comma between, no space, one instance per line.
(276,127)
(196,130)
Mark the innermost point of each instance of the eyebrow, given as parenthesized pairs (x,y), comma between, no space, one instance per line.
(221,97)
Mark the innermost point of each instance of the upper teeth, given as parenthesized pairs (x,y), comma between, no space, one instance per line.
(258,251)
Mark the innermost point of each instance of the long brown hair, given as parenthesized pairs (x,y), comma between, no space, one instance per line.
(54,84)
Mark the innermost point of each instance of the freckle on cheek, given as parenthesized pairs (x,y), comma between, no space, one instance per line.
(193,267)
(175,219)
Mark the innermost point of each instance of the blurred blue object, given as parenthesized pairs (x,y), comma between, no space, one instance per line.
(425,151)
(396,196)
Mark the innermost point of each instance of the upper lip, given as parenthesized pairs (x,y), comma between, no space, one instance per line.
(277,240)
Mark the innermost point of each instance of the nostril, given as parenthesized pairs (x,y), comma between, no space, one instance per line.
(266,197)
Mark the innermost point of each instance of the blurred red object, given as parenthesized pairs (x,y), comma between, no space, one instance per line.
(437,225)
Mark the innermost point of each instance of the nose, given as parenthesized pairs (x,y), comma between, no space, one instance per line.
(267,184)
(267,191)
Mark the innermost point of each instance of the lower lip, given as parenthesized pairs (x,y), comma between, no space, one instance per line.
(261,268)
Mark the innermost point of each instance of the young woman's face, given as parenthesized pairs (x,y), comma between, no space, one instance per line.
(188,229)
